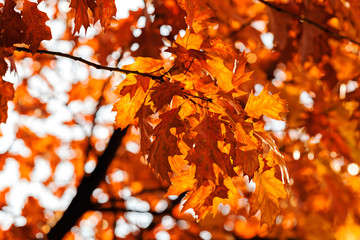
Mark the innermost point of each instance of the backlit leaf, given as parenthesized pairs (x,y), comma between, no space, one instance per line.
(198,14)
(105,11)
(266,104)
(36,30)
(205,151)
(266,197)
(127,106)
(12,27)
(81,12)
(163,93)
(165,143)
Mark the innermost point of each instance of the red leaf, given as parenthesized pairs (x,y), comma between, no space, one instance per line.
(163,93)
(206,152)
(146,129)
(12,27)
(36,29)
(4,52)
(81,12)
(165,143)
(248,160)
(105,11)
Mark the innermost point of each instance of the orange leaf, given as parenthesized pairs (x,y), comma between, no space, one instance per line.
(198,14)
(131,88)
(266,196)
(240,76)
(266,104)
(146,65)
(196,200)
(127,107)
(247,151)
(183,180)
(222,74)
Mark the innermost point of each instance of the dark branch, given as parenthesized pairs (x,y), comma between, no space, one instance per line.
(101,67)
(81,202)
(92,64)
(304,19)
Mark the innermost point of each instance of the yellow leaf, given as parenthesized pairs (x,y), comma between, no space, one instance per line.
(266,104)
(127,107)
(221,73)
(266,196)
(145,65)
(190,41)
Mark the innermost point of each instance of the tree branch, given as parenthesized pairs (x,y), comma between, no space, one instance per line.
(89,63)
(304,19)
(82,200)
(101,67)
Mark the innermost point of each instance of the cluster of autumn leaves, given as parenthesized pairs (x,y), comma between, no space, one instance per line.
(199,124)
(195,133)
(28,27)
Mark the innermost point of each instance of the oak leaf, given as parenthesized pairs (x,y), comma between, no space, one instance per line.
(134,84)
(199,14)
(127,106)
(146,130)
(81,12)
(12,26)
(266,197)
(165,143)
(105,11)
(36,30)
(266,104)
(163,93)
(206,152)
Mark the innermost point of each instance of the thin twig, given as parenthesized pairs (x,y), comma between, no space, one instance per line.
(92,64)
(159,79)
(304,19)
